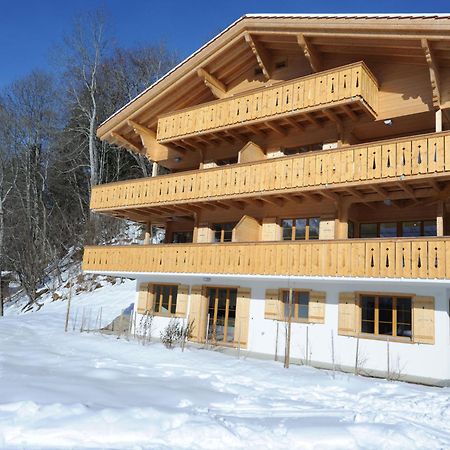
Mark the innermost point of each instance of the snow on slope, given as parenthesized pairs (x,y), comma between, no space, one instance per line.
(71,390)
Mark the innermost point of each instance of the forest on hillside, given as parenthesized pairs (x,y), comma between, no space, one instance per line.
(50,157)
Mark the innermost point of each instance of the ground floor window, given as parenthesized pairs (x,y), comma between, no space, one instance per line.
(386,315)
(221,314)
(299,307)
(165,299)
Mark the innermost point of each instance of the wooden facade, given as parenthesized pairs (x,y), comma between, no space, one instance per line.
(334,122)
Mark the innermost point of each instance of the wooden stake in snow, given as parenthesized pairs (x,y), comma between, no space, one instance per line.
(357,355)
(287,355)
(332,353)
(388,360)
(68,306)
(239,341)
(207,332)
(307,344)
(276,343)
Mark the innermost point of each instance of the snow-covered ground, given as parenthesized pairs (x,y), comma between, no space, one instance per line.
(79,390)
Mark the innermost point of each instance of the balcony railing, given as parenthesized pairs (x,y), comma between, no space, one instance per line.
(346,84)
(378,162)
(424,258)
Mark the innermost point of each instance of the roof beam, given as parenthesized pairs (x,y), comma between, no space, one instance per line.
(124,142)
(278,129)
(217,88)
(310,53)
(262,57)
(433,70)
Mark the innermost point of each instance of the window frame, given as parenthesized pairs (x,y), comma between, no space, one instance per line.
(222,231)
(295,318)
(399,228)
(159,312)
(375,335)
(293,229)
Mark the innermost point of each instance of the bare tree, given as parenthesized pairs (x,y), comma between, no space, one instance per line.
(85,48)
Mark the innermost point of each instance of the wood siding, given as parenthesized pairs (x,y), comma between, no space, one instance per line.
(345,84)
(380,161)
(423,258)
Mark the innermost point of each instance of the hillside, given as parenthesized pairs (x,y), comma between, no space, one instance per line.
(86,390)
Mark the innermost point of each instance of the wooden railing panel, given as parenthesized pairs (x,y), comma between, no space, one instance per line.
(422,155)
(418,258)
(323,88)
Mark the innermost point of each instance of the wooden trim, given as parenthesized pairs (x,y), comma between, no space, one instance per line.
(411,258)
(353,163)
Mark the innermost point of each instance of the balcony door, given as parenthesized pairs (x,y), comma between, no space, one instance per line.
(221,314)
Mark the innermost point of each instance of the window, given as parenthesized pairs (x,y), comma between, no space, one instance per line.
(165,299)
(300,229)
(300,305)
(386,315)
(393,229)
(221,314)
(182,237)
(223,232)
(351,229)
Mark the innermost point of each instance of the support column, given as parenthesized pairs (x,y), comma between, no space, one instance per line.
(148,233)
(154,169)
(440,218)
(342,221)
(438,120)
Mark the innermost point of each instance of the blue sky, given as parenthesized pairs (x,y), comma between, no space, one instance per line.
(30,29)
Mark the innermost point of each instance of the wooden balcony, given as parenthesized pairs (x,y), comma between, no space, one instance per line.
(423,258)
(359,169)
(351,90)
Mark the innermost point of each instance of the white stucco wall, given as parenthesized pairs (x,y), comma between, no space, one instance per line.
(416,362)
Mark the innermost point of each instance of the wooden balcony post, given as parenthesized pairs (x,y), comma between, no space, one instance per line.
(148,233)
(440,218)
(342,220)
(438,119)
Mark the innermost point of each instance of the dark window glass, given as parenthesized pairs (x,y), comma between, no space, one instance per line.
(223,232)
(300,229)
(429,228)
(411,229)
(302,299)
(404,327)
(182,237)
(165,299)
(388,229)
(368,230)
(351,229)
(287,229)
(368,314)
(385,315)
(314,228)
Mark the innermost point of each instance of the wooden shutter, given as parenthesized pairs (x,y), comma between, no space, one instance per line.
(198,313)
(317,307)
(242,316)
(423,320)
(145,298)
(347,321)
(182,300)
(273,306)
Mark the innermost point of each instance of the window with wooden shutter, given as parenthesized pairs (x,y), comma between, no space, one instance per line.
(273,308)
(182,300)
(423,320)
(347,315)
(198,313)
(145,298)
(242,317)
(317,306)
